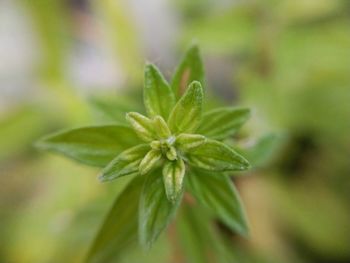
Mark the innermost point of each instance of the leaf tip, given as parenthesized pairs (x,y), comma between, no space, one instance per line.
(194,47)
(127,116)
(146,246)
(244,229)
(172,199)
(43,143)
(130,116)
(246,111)
(246,164)
(39,144)
(149,66)
(196,84)
(102,178)
(195,87)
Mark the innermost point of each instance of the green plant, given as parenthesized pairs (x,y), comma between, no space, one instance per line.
(172,150)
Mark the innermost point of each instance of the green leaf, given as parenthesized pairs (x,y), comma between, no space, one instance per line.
(186,142)
(155,211)
(173,175)
(171,154)
(119,229)
(223,122)
(186,115)
(107,109)
(150,161)
(264,150)
(161,128)
(193,230)
(217,192)
(126,163)
(190,69)
(95,145)
(159,98)
(199,240)
(216,156)
(142,125)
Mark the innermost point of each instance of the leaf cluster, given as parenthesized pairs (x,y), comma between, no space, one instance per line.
(176,148)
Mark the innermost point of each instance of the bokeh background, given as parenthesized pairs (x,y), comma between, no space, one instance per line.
(79,62)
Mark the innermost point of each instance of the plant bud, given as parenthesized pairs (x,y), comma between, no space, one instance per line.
(171,154)
(186,142)
(173,175)
(142,125)
(161,128)
(150,161)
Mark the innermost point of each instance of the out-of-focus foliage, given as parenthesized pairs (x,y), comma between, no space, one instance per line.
(288,60)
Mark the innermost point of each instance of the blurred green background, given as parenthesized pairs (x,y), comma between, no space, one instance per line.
(78,62)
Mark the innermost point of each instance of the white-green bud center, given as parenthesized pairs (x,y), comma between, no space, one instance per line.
(166,146)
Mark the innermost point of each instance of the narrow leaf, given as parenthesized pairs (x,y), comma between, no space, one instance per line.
(126,163)
(173,175)
(222,123)
(156,145)
(161,128)
(171,154)
(216,156)
(155,211)
(186,142)
(159,98)
(150,161)
(217,192)
(199,240)
(114,108)
(261,152)
(142,125)
(95,145)
(190,69)
(119,229)
(186,115)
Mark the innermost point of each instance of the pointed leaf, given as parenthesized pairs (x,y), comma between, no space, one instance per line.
(161,128)
(199,240)
(261,152)
(142,125)
(126,163)
(216,156)
(156,145)
(95,145)
(224,122)
(155,211)
(190,69)
(186,115)
(173,175)
(119,229)
(159,98)
(150,161)
(171,154)
(114,108)
(217,192)
(186,142)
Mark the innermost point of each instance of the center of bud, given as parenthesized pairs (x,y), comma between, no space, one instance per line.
(166,146)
